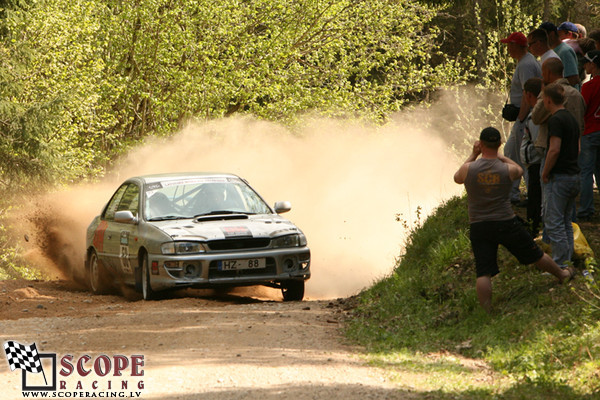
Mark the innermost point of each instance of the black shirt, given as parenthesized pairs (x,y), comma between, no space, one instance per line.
(563,125)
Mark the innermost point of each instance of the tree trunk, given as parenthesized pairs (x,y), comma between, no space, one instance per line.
(546,15)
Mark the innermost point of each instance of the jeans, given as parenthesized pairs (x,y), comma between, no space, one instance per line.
(559,202)
(534,199)
(512,150)
(588,160)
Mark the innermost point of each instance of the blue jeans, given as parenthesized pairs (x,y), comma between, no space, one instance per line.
(588,158)
(512,150)
(559,203)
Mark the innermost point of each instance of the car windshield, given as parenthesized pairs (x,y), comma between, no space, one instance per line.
(189,198)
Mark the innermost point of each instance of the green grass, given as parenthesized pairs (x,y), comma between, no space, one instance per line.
(541,341)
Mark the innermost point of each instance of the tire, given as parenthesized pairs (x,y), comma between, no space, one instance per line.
(98,278)
(292,290)
(147,292)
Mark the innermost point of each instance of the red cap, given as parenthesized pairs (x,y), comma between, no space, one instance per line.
(516,37)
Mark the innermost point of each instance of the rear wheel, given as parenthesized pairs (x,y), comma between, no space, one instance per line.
(97,275)
(147,292)
(292,290)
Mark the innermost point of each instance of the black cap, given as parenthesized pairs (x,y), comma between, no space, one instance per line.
(548,26)
(490,135)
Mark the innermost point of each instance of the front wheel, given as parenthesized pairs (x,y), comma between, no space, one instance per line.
(292,290)
(147,292)
(97,274)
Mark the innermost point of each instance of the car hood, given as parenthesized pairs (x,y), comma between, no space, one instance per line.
(231,227)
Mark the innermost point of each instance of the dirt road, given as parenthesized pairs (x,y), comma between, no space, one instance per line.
(195,345)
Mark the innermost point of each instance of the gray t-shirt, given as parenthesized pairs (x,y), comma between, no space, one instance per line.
(488,187)
(527,67)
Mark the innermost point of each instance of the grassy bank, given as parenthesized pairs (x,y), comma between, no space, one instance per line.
(541,341)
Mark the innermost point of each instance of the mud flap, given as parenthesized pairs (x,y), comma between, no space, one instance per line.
(138,279)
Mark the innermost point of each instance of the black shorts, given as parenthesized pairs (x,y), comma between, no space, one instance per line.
(487,235)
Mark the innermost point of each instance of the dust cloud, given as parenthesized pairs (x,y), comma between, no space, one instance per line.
(347,182)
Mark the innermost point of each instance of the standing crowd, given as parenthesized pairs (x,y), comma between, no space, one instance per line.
(554,145)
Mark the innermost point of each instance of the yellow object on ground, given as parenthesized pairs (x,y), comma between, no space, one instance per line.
(582,248)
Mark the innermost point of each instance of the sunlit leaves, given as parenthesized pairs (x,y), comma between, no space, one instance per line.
(117,71)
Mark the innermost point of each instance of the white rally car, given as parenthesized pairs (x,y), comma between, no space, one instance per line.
(169,231)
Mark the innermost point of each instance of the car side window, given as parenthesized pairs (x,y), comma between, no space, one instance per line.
(130,200)
(111,208)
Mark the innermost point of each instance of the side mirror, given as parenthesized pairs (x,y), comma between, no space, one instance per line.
(125,217)
(282,207)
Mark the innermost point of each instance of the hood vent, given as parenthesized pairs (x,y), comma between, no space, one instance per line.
(220,217)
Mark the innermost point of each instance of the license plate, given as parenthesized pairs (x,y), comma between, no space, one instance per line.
(234,265)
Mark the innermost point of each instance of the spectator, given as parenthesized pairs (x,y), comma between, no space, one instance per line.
(586,45)
(565,52)
(590,140)
(537,40)
(492,220)
(560,174)
(552,71)
(595,36)
(531,156)
(567,31)
(581,31)
(527,67)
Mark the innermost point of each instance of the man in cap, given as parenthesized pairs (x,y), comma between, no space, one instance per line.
(488,181)
(567,31)
(527,67)
(565,52)
(537,40)
(589,156)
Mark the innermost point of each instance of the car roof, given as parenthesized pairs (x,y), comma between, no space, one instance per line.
(180,176)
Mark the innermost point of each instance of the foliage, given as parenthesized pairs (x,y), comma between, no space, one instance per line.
(428,304)
(82,80)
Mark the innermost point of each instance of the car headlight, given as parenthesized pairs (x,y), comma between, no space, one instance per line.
(182,248)
(296,240)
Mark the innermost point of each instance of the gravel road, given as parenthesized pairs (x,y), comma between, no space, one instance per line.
(195,345)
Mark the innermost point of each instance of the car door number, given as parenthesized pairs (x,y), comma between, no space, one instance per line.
(234,265)
(124,257)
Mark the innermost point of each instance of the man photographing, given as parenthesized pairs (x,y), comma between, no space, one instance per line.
(488,181)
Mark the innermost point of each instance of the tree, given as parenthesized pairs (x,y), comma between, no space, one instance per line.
(100,76)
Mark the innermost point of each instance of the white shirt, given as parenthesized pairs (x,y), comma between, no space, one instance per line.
(549,54)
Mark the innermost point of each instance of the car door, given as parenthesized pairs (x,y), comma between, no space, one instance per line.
(120,239)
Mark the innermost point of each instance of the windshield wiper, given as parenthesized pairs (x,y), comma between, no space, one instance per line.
(218,212)
(167,217)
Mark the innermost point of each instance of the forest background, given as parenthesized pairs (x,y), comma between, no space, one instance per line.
(82,81)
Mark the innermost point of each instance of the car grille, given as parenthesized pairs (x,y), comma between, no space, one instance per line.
(213,270)
(239,244)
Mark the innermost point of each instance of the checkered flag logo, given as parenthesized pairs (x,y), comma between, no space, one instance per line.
(23,357)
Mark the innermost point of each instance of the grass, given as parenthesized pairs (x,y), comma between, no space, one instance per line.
(541,341)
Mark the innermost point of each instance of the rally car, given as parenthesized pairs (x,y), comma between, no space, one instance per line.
(199,230)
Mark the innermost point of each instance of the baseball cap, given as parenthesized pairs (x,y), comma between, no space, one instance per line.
(568,26)
(490,134)
(593,57)
(548,26)
(516,37)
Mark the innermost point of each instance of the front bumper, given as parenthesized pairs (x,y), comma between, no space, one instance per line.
(202,270)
